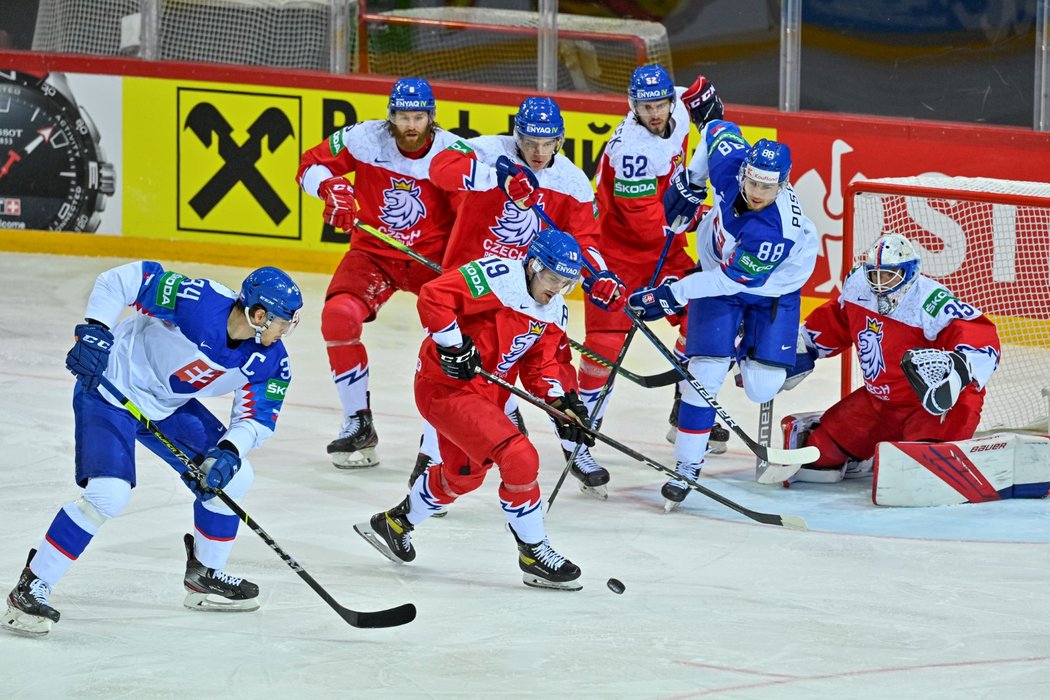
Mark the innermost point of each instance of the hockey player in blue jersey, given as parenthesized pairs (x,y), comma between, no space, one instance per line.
(186,339)
(756,249)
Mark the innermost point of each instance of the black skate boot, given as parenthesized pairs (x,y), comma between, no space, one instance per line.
(675,490)
(542,567)
(423,463)
(592,476)
(355,448)
(389,533)
(517,420)
(672,419)
(227,593)
(716,442)
(28,612)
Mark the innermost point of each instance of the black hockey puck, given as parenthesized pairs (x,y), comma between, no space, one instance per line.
(615,585)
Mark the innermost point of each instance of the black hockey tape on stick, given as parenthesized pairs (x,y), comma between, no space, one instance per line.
(793,522)
(391,617)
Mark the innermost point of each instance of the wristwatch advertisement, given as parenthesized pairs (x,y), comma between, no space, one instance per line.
(53,173)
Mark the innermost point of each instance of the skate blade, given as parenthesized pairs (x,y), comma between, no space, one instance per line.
(670,505)
(359,459)
(23,624)
(716,448)
(534,581)
(599,492)
(215,603)
(440,514)
(370,536)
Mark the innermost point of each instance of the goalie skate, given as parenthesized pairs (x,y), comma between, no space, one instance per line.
(28,611)
(355,448)
(213,590)
(592,476)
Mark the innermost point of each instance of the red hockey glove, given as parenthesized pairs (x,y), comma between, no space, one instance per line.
(340,205)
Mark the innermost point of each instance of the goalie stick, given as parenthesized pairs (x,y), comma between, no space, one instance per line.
(801,455)
(391,617)
(793,522)
(648,381)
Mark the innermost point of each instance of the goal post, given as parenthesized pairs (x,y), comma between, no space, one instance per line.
(988,241)
(500,47)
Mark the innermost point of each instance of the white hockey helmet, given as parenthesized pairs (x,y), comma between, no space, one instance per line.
(891,267)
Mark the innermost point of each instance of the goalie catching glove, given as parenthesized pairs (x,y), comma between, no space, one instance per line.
(937,376)
(573,431)
(460,362)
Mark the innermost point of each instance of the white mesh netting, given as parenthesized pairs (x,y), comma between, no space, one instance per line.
(499,47)
(988,241)
(278,33)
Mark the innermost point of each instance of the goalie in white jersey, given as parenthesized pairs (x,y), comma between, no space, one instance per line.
(756,250)
(188,338)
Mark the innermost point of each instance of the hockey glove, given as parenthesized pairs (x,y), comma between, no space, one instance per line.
(89,356)
(461,362)
(682,202)
(703,103)
(606,291)
(518,183)
(220,464)
(937,376)
(651,303)
(573,431)
(340,205)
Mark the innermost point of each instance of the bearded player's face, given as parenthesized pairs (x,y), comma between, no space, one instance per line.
(411,129)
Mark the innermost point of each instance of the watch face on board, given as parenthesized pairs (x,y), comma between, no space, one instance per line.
(51,172)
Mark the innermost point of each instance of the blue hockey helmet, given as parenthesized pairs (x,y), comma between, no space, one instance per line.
(275,291)
(649,84)
(556,256)
(891,266)
(411,95)
(768,163)
(539,117)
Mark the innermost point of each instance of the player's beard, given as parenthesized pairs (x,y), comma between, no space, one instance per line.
(411,140)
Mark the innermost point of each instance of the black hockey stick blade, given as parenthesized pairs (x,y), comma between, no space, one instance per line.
(401,615)
(650,381)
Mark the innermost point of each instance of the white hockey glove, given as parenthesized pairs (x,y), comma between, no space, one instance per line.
(937,376)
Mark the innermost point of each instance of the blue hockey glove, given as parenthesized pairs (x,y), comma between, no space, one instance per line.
(517,182)
(89,356)
(606,291)
(651,303)
(681,202)
(462,362)
(220,464)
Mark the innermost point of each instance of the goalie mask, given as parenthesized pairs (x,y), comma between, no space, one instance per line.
(891,267)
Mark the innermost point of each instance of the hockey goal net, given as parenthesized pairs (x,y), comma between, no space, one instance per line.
(988,241)
(499,47)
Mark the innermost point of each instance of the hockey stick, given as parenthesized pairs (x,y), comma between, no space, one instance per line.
(392,617)
(790,521)
(650,381)
(801,455)
(765,472)
(607,387)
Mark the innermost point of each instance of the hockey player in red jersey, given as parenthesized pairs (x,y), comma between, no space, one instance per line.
(925,357)
(498,180)
(390,160)
(507,317)
(644,196)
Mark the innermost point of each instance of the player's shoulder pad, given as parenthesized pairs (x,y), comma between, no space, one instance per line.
(721,130)
(477,281)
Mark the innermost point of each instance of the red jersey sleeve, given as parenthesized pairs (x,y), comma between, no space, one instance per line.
(827,328)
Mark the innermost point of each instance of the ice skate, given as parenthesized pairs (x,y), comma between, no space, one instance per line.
(542,567)
(675,491)
(592,476)
(355,448)
(28,612)
(423,462)
(214,590)
(389,533)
